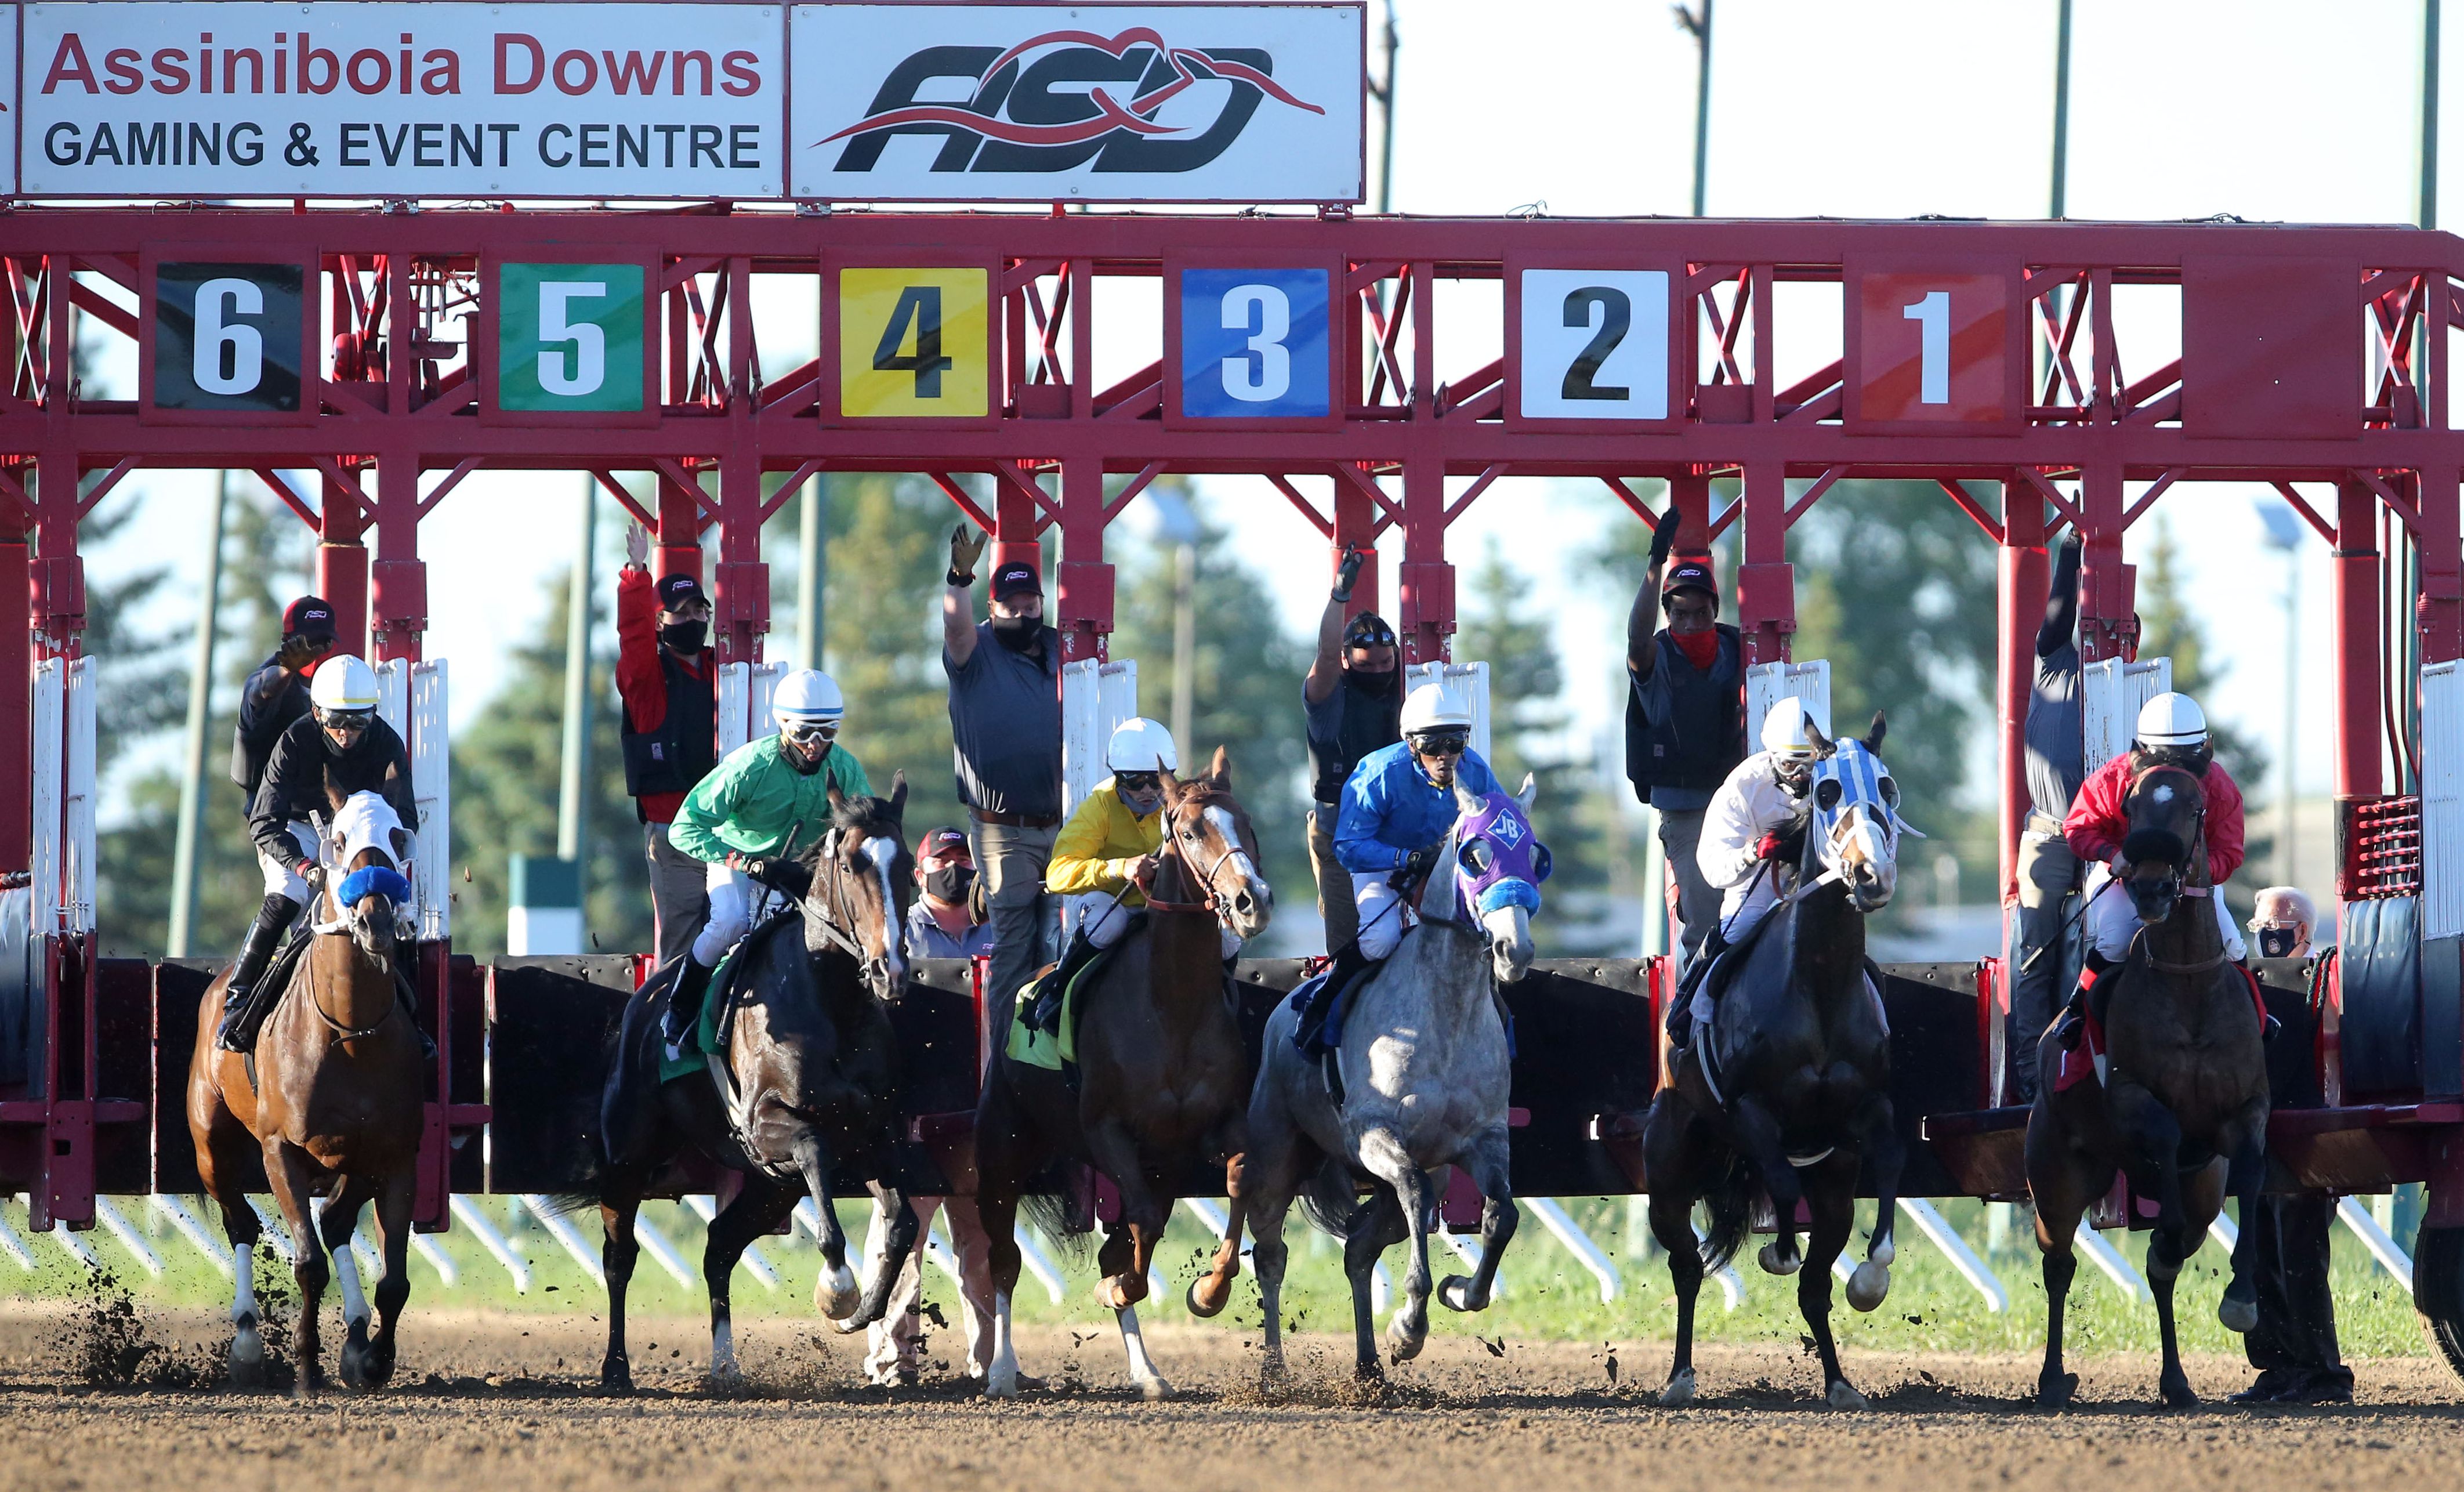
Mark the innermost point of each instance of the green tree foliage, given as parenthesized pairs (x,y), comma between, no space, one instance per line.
(2168,629)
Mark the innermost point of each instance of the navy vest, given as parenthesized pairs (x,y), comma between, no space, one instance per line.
(1703,736)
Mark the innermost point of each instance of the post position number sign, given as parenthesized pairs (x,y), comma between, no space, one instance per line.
(914,343)
(1932,350)
(571,338)
(1256,344)
(226,339)
(1593,344)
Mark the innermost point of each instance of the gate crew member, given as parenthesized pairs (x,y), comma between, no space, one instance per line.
(2294,1346)
(943,922)
(667,679)
(751,819)
(277,694)
(1397,809)
(1685,715)
(2171,732)
(1753,838)
(1354,703)
(338,748)
(1005,739)
(2048,873)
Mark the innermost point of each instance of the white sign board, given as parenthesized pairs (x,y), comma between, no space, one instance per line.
(2111,692)
(244,99)
(2442,800)
(1594,345)
(1096,699)
(1091,103)
(1767,684)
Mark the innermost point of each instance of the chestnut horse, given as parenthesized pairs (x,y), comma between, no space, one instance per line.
(332,1106)
(1162,1084)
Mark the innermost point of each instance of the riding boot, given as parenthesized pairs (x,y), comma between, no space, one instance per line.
(1681,1007)
(2072,1026)
(1309,1034)
(1043,1011)
(274,918)
(684,1003)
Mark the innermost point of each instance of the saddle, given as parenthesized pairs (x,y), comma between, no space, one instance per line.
(1053,1045)
(708,1039)
(2089,1058)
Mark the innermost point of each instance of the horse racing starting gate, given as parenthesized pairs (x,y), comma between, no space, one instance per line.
(1372,372)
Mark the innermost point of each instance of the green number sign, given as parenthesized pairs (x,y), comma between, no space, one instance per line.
(569,337)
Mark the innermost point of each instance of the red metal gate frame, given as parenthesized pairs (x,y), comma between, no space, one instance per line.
(395,402)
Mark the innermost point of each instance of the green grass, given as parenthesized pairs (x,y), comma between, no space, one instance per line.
(1546,1293)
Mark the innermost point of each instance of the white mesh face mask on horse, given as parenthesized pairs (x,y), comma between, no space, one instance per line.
(1858,823)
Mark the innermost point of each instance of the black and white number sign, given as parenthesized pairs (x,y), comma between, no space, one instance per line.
(1594,344)
(226,337)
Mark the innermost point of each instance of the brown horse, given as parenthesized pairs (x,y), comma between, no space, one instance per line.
(1162,1085)
(332,1108)
(2183,1106)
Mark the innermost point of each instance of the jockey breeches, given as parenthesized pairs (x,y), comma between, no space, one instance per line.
(733,895)
(1381,914)
(1743,907)
(1104,920)
(283,876)
(2111,918)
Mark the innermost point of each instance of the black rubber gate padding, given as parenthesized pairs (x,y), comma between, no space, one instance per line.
(2380,1036)
(549,1023)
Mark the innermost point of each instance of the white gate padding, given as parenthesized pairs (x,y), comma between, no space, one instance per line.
(63,826)
(2110,694)
(1096,697)
(1767,684)
(411,698)
(1468,683)
(744,690)
(2442,800)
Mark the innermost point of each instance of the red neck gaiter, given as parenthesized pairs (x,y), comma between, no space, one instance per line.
(1701,648)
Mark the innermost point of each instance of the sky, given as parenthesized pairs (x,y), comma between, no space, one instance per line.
(2267,109)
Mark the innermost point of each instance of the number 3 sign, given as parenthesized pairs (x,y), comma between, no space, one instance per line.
(1936,348)
(1250,346)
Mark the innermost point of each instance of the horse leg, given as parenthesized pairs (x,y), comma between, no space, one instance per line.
(1499,1217)
(339,1220)
(1758,1134)
(1000,1167)
(242,1227)
(2154,1138)
(757,1209)
(1279,1155)
(619,1200)
(1877,1143)
(1670,1158)
(2245,1175)
(287,1172)
(2062,1186)
(1832,1204)
(1375,1226)
(1385,1157)
(835,1294)
(394,1200)
(1145,1228)
(897,1247)
(1209,1291)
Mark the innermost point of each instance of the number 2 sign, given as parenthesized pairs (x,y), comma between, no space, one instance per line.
(1936,348)
(570,342)
(1588,345)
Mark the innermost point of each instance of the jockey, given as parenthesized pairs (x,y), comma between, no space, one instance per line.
(1753,835)
(2171,732)
(750,820)
(1104,858)
(338,748)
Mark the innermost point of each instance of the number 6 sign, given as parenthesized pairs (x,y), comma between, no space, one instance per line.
(1938,348)
(567,341)
(226,337)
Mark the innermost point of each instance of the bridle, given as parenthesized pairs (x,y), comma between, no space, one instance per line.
(342,924)
(2193,850)
(839,917)
(1213,903)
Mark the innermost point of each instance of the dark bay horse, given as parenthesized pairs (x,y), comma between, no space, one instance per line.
(1162,1084)
(1786,1090)
(331,1108)
(2183,1107)
(813,1064)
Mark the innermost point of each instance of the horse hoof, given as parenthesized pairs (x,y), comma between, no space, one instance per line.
(835,1294)
(2053,1390)
(355,1373)
(1197,1302)
(247,1360)
(1119,1292)
(2238,1315)
(1154,1390)
(1843,1396)
(376,1364)
(1000,1384)
(1774,1261)
(2180,1395)
(1679,1390)
(1868,1285)
(1454,1293)
(616,1375)
(1403,1342)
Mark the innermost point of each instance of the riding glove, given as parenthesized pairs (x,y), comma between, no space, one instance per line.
(1663,534)
(1416,865)
(788,877)
(1347,573)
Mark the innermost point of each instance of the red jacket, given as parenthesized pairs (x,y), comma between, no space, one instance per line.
(2097,823)
(639,679)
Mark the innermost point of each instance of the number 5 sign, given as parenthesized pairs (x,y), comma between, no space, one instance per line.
(1938,348)
(571,341)
(226,337)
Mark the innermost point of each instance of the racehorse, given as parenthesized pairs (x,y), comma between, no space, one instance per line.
(329,1097)
(1161,1082)
(810,1064)
(2183,1106)
(1424,1058)
(1785,1087)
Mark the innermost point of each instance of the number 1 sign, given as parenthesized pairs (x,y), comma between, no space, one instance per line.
(1588,345)
(1937,349)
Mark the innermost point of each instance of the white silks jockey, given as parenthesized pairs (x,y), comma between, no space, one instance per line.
(1753,837)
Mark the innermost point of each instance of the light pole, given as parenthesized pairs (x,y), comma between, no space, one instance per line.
(572,780)
(1383,91)
(1178,526)
(2284,535)
(1697,24)
(2063,111)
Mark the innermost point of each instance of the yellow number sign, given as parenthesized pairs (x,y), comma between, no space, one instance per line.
(913,344)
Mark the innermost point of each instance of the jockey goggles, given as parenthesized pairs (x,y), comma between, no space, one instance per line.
(1137,781)
(806,733)
(1368,630)
(350,720)
(1452,741)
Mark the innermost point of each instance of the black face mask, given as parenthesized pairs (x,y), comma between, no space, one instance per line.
(805,768)
(2277,942)
(949,883)
(1377,684)
(1019,634)
(685,636)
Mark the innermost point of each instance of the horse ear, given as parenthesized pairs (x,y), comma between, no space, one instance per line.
(1220,771)
(1874,736)
(1823,745)
(898,794)
(1465,798)
(838,801)
(1530,790)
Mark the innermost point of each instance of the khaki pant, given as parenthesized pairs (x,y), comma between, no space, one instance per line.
(891,1342)
(1012,861)
(1334,900)
(679,905)
(1698,901)
(2049,884)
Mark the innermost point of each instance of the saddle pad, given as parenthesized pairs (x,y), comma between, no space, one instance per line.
(2087,1060)
(717,1003)
(1056,1050)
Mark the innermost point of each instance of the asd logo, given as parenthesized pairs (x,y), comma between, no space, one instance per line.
(1058,101)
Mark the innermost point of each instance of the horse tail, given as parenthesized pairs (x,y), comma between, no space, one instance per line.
(1730,1197)
(1061,1214)
(1327,1199)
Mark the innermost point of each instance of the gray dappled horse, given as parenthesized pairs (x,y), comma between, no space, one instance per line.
(1424,1067)
(1796,1099)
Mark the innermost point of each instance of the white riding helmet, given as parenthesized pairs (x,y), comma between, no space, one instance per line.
(1784,729)
(808,697)
(1141,745)
(2174,721)
(1434,707)
(344,683)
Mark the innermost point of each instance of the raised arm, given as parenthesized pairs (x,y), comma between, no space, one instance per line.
(1643,619)
(2061,599)
(957,603)
(1326,670)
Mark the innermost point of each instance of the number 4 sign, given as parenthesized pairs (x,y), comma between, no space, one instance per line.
(909,344)
(571,341)
(1935,348)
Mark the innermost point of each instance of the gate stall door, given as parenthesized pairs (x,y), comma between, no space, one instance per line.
(1468,683)
(1096,698)
(1767,684)
(411,698)
(744,690)
(63,878)
(2111,692)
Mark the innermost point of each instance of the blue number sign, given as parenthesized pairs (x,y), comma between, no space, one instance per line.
(1254,344)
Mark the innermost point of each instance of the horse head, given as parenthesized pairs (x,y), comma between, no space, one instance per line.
(2167,807)
(366,895)
(1208,831)
(1499,864)
(1857,814)
(863,879)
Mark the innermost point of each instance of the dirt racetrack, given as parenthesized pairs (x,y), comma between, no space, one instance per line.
(508,1404)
